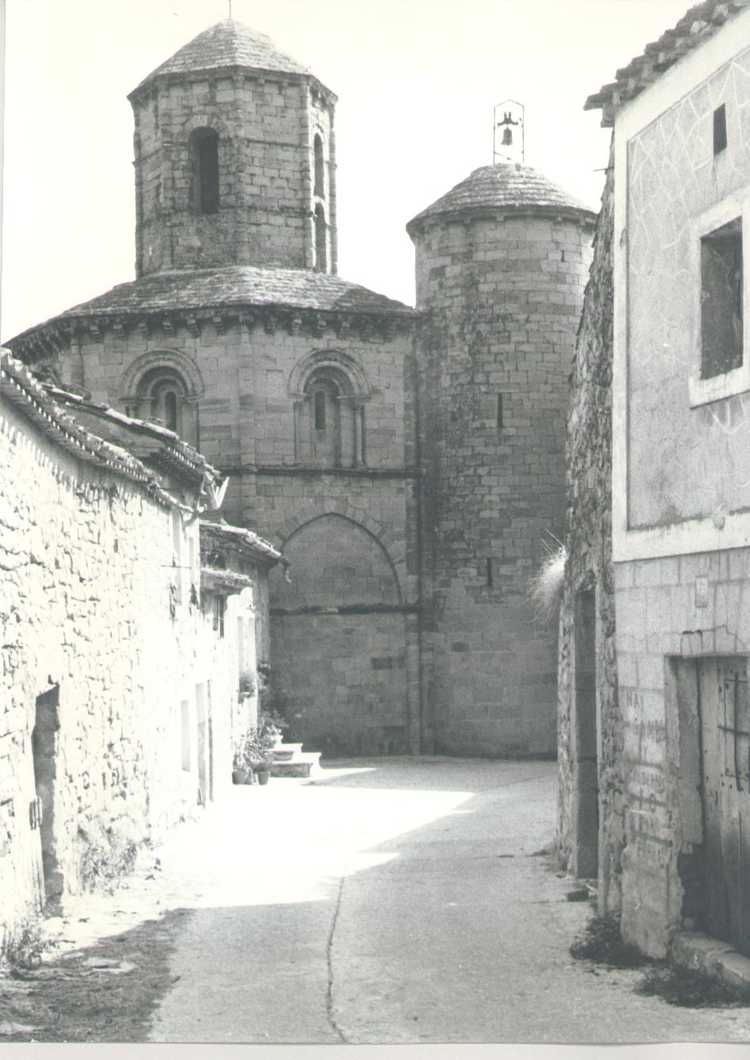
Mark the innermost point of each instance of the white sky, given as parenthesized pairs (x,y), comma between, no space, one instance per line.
(416,80)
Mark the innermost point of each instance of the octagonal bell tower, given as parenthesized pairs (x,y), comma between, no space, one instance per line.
(235,160)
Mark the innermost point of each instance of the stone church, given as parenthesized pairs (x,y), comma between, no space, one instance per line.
(409,462)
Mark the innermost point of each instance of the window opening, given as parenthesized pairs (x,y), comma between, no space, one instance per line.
(490,574)
(500,411)
(320,410)
(720,129)
(319,166)
(321,239)
(205,159)
(721,300)
(170,409)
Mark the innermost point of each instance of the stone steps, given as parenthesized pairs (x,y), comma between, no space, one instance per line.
(289,760)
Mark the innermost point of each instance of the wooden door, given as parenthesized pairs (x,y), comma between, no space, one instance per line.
(725,752)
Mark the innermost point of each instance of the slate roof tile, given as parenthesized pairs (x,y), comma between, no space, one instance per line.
(507,186)
(228,44)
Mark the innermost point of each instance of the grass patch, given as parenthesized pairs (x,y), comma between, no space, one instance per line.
(690,989)
(601,941)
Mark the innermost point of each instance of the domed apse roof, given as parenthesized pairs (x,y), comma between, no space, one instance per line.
(508,187)
(228,44)
(226,288)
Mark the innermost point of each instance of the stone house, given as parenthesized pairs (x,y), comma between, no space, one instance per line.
(119,690)
(408,462)
(671,738)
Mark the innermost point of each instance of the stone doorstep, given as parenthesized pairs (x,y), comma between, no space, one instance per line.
(300,766)
(285,751)
(702,953)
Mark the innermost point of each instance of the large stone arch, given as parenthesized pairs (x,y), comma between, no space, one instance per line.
(339,639)
(314,507)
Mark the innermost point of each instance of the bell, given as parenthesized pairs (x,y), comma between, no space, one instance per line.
(507,137)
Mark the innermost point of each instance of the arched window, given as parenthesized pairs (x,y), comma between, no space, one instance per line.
(204,157)
(162,396)
(321,240)
(330,425)
(320,181)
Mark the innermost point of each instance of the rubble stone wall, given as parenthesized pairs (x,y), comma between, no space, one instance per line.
(588,541)
(98,598)
(502,300)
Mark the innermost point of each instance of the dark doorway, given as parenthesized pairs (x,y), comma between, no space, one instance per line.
(724,749)
(42,811)
(586,737)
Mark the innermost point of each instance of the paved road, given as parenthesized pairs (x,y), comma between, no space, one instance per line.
(396,901)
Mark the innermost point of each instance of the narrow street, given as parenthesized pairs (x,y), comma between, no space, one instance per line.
(388,901)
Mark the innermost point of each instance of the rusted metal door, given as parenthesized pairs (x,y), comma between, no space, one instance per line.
(725,752)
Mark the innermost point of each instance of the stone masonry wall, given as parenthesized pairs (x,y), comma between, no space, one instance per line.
(98,598)
(502,301)
(589,569)
(265,172)
(670,612)
(248,425)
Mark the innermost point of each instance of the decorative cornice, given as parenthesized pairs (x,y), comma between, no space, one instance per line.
(49,339)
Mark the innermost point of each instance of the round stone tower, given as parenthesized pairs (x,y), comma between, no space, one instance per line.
(501,262)
(234,158)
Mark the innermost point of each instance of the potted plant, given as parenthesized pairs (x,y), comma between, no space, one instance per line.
(269,735)
(246,756)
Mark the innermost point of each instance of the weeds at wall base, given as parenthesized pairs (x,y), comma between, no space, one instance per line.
(602,942)
(690,989)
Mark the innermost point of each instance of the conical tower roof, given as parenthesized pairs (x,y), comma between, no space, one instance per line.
(228,44)
(508,187)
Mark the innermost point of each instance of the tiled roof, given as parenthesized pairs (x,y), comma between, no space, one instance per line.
(235,286)
(506,187)
(695,26)
(22,389)
(228,44)
(148,438)
(241,538)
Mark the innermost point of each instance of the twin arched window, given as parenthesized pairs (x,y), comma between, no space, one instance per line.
(204,159)
(331,427)
(163,396)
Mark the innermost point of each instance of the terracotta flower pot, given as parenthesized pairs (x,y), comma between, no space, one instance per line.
(262,775)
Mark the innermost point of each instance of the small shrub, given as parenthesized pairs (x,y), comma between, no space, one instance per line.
(546,587)
(602,942)
(690,989)
(26,944)
(108,853)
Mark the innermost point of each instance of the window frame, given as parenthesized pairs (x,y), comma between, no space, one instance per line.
(735,380)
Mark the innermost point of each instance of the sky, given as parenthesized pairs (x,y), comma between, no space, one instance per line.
(416,81)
